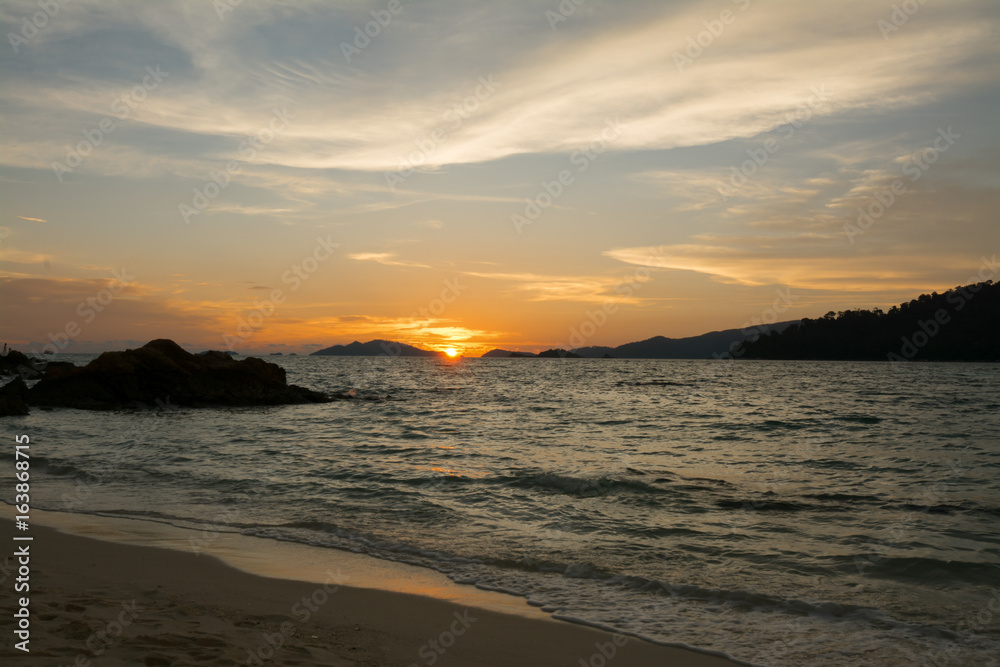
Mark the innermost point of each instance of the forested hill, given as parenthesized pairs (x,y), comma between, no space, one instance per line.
(963,324)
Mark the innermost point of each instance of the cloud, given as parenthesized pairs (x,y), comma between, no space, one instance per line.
(802,262)
(32,219)
(557,98)
(23,256)
(385,258)
(139,309)
(583,289)
(421,331)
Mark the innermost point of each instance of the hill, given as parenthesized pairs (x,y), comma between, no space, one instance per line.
(705,346)
(963,324)
(376,348)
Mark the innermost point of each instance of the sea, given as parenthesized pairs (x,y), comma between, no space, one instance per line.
(782,513)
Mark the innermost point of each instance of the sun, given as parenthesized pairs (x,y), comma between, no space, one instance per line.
(451,352)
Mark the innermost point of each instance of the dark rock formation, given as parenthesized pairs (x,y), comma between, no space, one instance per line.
(13,362)
(12,397)
(160,371)
(43,366)
(29,368)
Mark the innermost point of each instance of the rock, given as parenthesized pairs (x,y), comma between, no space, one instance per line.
(46,366)
(13,362)
(161,371)
(29,368)
(12,397)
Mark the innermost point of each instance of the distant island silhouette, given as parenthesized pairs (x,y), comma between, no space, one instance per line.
(963,324)
(704,346)
(658,347)
(376,348)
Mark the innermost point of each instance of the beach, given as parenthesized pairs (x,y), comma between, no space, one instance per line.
(108,603)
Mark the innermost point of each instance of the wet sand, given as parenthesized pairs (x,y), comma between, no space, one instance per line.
(97,602)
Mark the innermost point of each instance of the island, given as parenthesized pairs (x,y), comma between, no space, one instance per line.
(376,348)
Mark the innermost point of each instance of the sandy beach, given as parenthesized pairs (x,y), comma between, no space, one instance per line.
(97,602)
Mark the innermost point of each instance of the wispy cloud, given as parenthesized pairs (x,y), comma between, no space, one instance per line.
(386,258)
(555,100)
(8,254)
(583,289)
(796,262)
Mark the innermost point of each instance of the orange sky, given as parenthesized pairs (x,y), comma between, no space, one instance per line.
(477,181)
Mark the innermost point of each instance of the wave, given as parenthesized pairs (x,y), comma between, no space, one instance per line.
(64,468)
(584,487)
(652,383)
(925,570)
(502,575)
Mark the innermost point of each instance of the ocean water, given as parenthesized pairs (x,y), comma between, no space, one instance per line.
(784,513)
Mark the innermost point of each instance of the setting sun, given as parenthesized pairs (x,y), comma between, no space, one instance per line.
(451,352)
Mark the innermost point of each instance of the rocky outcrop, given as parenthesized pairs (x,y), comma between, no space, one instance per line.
(162,371)
(12,397)
(13,362)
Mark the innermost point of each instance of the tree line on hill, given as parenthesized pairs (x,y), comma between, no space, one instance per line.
(962,324)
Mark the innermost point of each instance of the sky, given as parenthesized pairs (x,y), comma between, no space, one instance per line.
(285,176)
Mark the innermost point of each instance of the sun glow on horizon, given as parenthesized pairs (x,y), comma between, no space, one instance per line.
(451,352)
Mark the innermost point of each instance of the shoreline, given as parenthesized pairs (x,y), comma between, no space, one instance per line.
(128,596)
